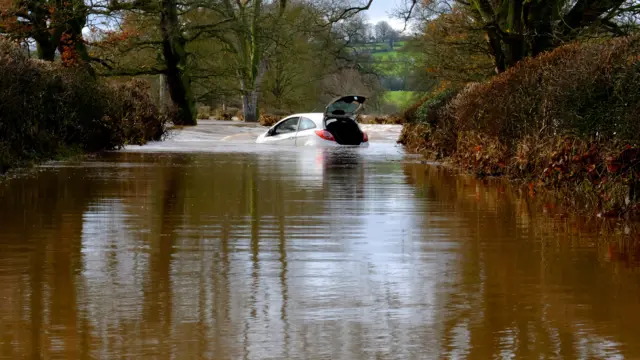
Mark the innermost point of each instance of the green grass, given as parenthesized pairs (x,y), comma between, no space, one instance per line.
(380,48)
(386,61)
(401,99)
(385,56)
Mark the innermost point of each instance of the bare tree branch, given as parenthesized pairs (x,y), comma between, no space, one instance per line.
(350,11)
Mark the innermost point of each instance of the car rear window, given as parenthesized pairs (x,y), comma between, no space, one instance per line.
(306,124)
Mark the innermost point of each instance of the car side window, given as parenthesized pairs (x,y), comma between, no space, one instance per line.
(306,124)
(287,126)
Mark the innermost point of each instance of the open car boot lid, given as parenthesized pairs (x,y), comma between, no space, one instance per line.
(346,106)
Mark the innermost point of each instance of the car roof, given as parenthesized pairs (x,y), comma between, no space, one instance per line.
(315,117)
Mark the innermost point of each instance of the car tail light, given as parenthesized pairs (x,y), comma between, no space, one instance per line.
(325,135)
(365,137)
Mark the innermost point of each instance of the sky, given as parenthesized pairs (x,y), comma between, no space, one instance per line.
(382,9)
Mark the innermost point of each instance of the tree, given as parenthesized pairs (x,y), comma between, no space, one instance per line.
(30,19)
(251,42)
(287,84)
(516,29)
(383,30)
(176,25)
(320,52)
(386,33)
(359,30)
(248,40)
(451,48)
(392,38)
(53,25)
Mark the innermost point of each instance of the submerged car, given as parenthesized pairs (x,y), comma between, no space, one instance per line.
(336,126)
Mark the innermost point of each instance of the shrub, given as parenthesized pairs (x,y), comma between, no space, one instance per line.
(139,119)
(566,120)
(414,138)
(436,138)
(586,89)
(47,109)
(269,120)
(227,113)
(410,114)
(239,114)
(429,110)
(204,112)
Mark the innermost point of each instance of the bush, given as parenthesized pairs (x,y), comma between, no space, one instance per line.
(566,120)
(47,109)
(227,113)
(269,120)
(239,114)
(204,112)
(138,118)
(426,131)
(584,89)
(410,114)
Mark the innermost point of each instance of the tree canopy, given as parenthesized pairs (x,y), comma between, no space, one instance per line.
(203,49)
(516,29)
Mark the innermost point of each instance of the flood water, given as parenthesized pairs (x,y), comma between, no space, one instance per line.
(200,248)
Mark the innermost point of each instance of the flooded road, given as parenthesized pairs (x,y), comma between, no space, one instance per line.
(208,246)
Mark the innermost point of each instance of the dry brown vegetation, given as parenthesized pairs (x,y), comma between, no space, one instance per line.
(269,120)
(47,110)
(566,120)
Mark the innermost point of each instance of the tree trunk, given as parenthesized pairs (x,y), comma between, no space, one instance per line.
(162,93)
(180,91)
(250,106)
(46,39)
(45,48)
(495,45)
(515,50)
(251,92)
(539,17)
(175,57)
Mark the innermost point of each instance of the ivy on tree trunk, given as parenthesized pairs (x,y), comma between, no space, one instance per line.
(175,56)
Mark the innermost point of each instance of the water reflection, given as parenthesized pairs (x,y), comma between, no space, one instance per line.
(322,253)
(530,284)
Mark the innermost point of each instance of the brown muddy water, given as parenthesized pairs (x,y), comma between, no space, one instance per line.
(208,246)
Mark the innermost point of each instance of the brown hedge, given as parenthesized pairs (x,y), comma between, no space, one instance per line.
(566,120)
(46,109)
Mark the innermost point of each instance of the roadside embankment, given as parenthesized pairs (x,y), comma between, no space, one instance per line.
(566,121)
(48,111)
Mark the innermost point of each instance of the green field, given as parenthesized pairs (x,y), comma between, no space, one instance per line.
(380,47)
(396,63)
(385,61)
(385,56)
(401,99)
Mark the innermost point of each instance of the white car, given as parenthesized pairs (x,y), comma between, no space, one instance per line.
(336,126)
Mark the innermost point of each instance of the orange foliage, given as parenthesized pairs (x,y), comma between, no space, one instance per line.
(69,55)
(9,21)
(116,37)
